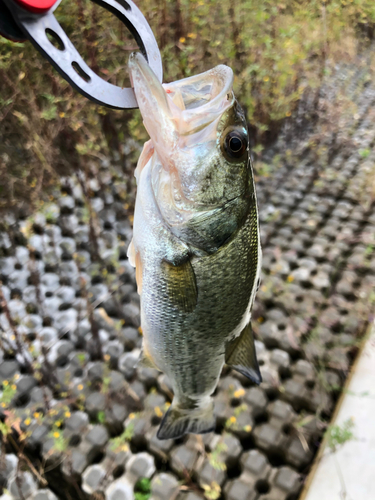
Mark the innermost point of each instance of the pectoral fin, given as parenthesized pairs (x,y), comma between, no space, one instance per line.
(181,285)
(147,152)
(241,356)
(136,261)
(131,253)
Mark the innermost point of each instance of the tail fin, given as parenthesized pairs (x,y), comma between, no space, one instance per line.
(188,416)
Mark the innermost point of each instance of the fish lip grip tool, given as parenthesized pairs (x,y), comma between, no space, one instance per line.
(34,20)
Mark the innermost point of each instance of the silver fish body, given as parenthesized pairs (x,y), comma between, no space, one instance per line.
(196,244)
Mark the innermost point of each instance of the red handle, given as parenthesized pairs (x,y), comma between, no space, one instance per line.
(36,6)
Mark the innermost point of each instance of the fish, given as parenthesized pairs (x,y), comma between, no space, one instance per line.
(195,247)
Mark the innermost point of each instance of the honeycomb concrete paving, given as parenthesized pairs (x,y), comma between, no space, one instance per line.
(84,416)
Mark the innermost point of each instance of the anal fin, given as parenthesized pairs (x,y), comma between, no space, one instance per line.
(241,356)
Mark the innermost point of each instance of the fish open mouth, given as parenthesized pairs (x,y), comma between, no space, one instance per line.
(209,88)
(181,108)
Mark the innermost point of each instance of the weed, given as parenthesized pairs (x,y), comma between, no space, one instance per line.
(214,457)
(59,442)
(81,358)
(5,430)
(212,491)
(142,489)
(364,153)
(338,435)
(8,392)
(101,417)
(121,442)
(105,384)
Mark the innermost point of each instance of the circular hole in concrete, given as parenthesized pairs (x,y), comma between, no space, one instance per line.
(75,440)
(272,393)
(269,304)
(31,309)
(9,356)
(155,420)
(15,293)
(247,443)
(111,269)
(18,266)
(48,294)
(276,458)
(281,326)
(118,471)
(299,298)
(287,429)
(95,280)
(336,328)
(50,269)
(234,471)
(351,355)
(310,384)
(66,190)
(314,272)
(262,418)
(262,486)
(47,321)
(62,361)
(234,402)
(284,373)
(78,372)
(98,457)
(22,400)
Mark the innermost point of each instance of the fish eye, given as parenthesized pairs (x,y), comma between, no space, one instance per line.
(235,144)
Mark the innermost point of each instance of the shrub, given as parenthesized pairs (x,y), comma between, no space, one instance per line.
(277,51)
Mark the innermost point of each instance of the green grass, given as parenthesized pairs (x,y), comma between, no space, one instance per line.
(338,435)
(142,489)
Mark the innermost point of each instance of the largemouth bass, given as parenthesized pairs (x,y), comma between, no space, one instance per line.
(195,243)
